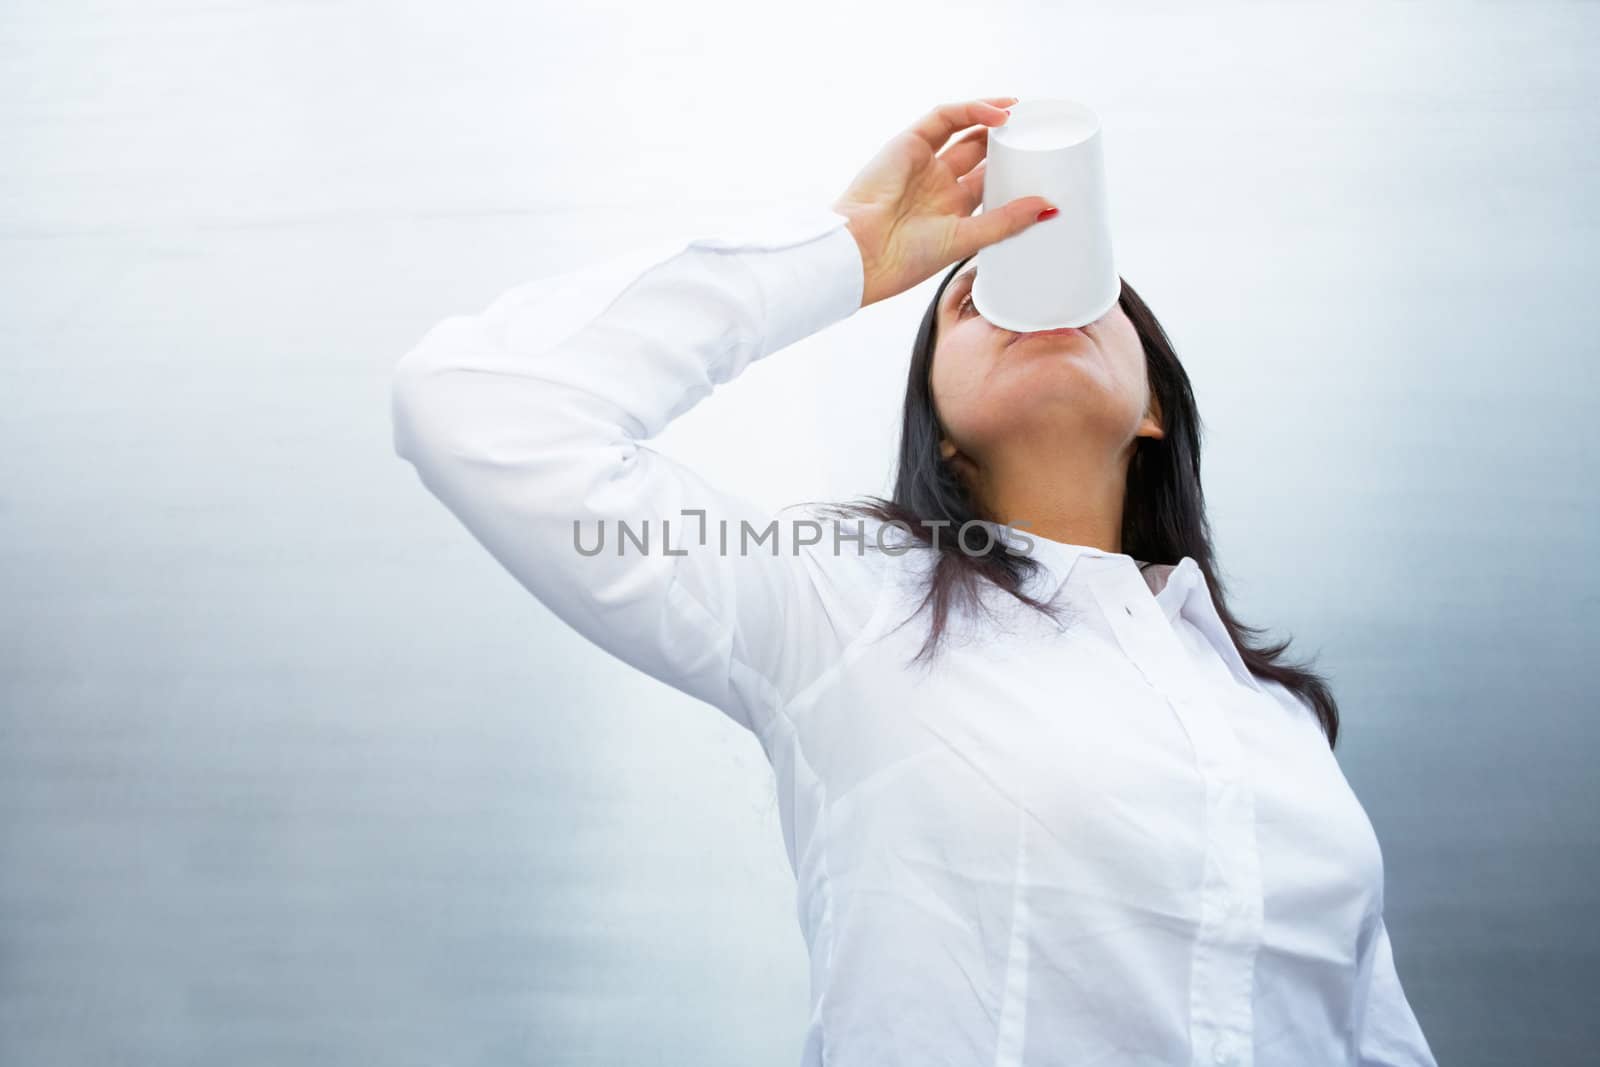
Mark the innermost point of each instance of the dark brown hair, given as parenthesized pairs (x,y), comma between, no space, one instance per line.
(1164,518)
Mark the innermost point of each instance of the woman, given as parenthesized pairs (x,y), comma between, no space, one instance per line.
(1074,819)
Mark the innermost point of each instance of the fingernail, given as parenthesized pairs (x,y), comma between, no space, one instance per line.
(1049,212)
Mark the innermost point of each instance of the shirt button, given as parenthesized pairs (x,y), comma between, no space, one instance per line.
(1222,1052)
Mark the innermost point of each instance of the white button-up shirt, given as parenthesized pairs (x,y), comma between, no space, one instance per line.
(1098,841)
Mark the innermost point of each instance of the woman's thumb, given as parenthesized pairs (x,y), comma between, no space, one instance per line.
(996,224)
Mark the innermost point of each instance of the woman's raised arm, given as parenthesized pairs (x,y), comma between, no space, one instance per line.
(529,420)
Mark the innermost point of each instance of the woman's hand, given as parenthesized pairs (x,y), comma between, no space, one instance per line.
(911,207)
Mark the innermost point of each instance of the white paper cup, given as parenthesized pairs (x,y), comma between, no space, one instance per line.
(1059,272)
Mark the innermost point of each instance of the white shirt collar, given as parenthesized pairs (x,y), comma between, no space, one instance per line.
(1184,591)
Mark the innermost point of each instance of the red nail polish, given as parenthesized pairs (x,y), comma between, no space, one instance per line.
(1047,213)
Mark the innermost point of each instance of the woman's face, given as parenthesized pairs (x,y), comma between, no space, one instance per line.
(994,389)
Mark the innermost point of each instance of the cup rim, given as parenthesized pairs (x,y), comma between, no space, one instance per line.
(1102,307)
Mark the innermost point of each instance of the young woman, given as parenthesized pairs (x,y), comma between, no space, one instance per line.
(1074,818)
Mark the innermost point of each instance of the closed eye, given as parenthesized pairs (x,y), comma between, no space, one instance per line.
(966,302)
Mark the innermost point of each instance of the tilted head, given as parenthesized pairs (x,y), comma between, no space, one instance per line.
(985,407)
(1003,398)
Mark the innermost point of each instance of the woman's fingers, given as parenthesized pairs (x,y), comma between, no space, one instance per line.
(937,126)
(906,206)
(966,151)
(971,185)
(996,224)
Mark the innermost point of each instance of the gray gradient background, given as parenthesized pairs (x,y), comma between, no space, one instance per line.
(291,771)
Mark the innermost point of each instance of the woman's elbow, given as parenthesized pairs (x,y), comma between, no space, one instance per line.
(419,424)
(460,415)
(428,400)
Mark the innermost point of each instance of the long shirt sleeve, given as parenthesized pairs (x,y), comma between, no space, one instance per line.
(528,421)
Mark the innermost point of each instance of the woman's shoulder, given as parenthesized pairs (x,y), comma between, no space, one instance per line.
(856,559)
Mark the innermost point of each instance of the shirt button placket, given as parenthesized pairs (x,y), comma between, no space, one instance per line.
(1229,928)
(1229,931)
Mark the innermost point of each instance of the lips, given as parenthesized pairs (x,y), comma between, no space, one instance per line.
(1063,331)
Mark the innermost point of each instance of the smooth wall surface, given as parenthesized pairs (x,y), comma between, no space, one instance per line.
(291,771)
